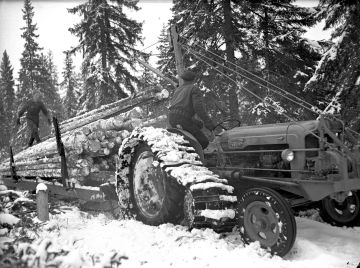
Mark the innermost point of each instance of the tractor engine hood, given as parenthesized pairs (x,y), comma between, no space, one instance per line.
(270,134)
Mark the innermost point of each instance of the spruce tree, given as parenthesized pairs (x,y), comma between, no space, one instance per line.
(29,70)
(88,96)
(263,37)
(48,89)
(337,75)
(37,75)
(107,38)
(69,84)
(30,60)
(7,98)
(166,60)
(207,24)
(52,69)
(3,126)
(284,58)
(48,86)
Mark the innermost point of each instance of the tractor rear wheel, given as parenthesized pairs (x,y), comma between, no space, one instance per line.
(346,213)
(265,216)
(155,198)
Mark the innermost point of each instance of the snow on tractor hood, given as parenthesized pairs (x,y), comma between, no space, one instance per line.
(241,137)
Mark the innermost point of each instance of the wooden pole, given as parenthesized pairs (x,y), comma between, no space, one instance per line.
(177,51)
(156,71)
(12,166)
(61,150)
(42,202)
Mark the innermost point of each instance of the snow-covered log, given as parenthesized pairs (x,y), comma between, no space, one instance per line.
(119,103)
(89,150)
(95,116)
(50,172)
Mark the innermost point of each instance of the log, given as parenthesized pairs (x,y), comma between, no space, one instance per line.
(52,165)
(41,166)
(95,168)
(94,146)
(110,145)
(46,160)
(71,160)
(124,134)
(119,103)
(104,165)
(72,142)
(83,163)
(111,134)
(92,136)
(86,130)
(123,121)
(77,123)
(50,173)
(118,140)
(104,144)
(100,135)
(90,160)
(105,151)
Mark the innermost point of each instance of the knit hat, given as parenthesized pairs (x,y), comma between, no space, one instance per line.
(188,75)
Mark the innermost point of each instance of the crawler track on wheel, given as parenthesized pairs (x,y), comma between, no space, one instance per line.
(208,200)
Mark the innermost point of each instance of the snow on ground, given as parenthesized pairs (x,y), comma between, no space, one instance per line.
(93,240)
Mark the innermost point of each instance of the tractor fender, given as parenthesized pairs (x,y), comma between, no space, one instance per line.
(189,137)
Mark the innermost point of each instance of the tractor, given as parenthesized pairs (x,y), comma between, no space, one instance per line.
(249,178)
(271,168)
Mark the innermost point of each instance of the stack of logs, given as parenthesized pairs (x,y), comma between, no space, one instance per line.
(91,146)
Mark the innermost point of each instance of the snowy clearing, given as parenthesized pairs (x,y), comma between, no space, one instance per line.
(97,240)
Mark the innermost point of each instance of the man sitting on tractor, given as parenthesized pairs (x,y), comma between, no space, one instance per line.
(184,104)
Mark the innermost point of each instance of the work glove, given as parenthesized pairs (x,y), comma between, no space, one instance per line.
(210,135)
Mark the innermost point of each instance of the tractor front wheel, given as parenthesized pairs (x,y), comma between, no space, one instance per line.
(265,216)
(345,213)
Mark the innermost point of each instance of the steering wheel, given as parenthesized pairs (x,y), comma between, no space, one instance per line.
(227,120)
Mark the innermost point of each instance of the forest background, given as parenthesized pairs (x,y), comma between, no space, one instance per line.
(233,45)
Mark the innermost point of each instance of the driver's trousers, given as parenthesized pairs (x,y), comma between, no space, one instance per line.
(189,125)
(33,129)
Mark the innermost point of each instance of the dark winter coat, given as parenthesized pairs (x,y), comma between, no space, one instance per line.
(187,100)
(32,109)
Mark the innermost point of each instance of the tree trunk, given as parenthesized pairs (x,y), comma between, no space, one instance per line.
(230,57)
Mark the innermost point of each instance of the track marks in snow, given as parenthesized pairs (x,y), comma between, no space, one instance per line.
(98,236)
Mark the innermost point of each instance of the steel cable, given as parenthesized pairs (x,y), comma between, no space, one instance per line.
(228,68)
(258,77)
(314,108)
(257,96)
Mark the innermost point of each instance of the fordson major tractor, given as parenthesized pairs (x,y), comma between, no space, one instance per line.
(249,178)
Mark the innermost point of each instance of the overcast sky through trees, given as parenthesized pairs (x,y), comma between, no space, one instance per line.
(53,22)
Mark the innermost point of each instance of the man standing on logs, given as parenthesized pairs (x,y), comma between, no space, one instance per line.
(185,103)
(32,109)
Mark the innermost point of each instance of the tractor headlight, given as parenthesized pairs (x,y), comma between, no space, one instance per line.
(287,155)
